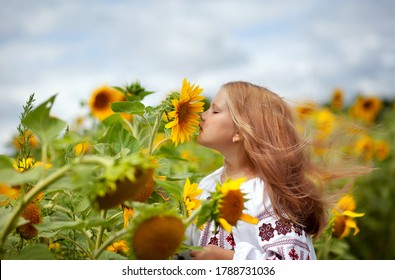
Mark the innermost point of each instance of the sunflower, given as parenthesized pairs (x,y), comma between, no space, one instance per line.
(156,233)
(232,205)
(225,206)
(119,247)
(24,164)
(123,180)
(305,110)
(366,109)
(32,214)
(184,117)
(29,137)
(364,147)
(101,100)
(344,214)
(54,247)
(7,193)
(127,215)
(325,122)
(337,99)
(82,148)
(381,149)
(190,194)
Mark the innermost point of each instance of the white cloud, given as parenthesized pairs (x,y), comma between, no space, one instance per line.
(300,49)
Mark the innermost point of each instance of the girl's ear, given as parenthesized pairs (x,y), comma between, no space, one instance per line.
(236,138)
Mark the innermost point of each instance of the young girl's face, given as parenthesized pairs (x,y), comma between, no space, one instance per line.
(216,127)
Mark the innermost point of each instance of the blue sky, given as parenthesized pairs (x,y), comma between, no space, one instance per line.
(299,49)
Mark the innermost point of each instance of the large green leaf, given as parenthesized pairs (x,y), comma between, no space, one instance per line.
(34,252)
(120,139)
(46,127)
(130,107)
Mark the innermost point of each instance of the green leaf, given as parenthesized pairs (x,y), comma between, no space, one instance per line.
(130,107)
(46,127)
(5,215)
(106,255)
(172,188)
(34,252)
(120,139)
(57,225)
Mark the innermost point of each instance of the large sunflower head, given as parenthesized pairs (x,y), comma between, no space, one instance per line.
(232,205)
(344,217)
(130,178)
(157,233)
(184,117)
(226,206)
(101,100)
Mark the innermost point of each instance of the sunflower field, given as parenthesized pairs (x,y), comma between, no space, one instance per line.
(121,182)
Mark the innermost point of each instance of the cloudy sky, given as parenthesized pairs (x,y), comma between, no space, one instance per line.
(300,49)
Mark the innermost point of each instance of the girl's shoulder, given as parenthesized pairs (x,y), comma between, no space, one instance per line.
(208,183)
(213,177)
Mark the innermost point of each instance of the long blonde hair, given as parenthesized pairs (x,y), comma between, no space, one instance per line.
(277,152)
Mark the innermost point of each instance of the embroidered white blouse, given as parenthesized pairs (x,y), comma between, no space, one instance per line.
(269,239)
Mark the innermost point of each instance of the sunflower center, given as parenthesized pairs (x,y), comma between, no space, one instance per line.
(101,101)
(367,105)
(232,206)
(183,112)
(339,226)
(158,238)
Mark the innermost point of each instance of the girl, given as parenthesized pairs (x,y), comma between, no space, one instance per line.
(253,129)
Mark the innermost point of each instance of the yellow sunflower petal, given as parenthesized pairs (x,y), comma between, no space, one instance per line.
(232,185)
(352,214)
(225,225)
(249,219)
(350,223)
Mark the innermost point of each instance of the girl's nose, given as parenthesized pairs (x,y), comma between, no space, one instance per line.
(202,115)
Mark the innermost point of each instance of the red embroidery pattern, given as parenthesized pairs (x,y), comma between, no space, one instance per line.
(283,228)
(214,240)
(293,254)
(266,232)
(298,229)
(231,240)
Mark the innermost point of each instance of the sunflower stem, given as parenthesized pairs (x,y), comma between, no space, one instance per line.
(109,241)
(154,131)
(101,231)
(160,143)
(193,216)
(77,244)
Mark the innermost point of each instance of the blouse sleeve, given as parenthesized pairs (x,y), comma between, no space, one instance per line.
(276,241)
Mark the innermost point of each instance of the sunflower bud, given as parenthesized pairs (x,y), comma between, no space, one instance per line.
(127,189)
(158,238)
(156,232)
(32,214)
(145,191)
